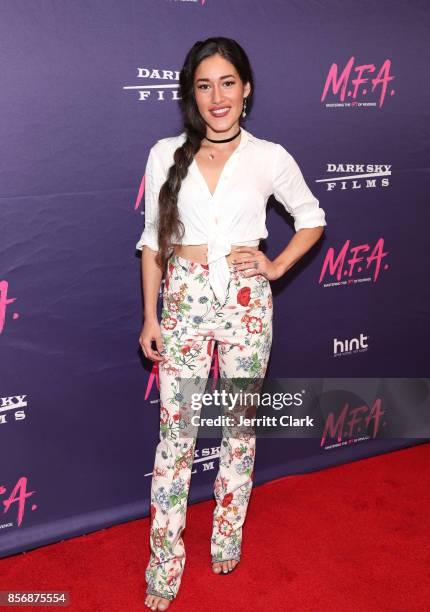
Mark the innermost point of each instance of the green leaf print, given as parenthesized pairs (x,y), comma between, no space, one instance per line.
(255,365)
(173,499)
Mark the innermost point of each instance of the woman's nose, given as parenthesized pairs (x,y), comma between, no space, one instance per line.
(216,95)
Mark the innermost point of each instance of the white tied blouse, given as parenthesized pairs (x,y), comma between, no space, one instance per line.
(236,212)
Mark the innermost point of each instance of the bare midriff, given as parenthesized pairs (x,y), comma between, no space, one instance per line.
(198,252)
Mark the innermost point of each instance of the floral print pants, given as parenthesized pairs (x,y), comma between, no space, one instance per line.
(192,321)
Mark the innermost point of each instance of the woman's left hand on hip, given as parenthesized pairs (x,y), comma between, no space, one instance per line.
(252,261)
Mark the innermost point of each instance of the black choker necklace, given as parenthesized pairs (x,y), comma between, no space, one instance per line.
(226,139)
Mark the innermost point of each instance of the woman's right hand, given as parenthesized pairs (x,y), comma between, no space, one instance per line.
(151,331)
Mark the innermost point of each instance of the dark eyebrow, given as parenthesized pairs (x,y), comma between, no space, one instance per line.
(223,77)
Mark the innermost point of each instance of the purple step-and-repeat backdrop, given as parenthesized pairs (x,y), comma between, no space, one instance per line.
(87,88)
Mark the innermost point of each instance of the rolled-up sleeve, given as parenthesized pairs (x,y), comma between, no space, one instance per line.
(290,188)
(154,178)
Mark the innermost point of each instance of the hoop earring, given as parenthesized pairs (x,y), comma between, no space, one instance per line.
(244,108)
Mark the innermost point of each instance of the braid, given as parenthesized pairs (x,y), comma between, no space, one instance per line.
(170,228)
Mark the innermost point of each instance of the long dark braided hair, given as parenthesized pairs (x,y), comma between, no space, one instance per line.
(170,227)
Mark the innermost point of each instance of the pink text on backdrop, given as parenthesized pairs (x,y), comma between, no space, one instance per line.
(337,84)
(351,421)
(18,496)
(342,265)
(4,303)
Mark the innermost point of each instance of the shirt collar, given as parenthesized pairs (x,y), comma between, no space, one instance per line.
(247,138)
(244,138)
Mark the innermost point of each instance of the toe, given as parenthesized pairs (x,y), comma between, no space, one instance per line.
(164,604)
(216,568)
(154,603)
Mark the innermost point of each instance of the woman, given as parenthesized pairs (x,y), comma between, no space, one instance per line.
(205,203)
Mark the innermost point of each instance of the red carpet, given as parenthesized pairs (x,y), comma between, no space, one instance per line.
(353,537)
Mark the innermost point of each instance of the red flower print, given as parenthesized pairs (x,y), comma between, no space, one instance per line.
(254,325)
(250,412)
(225,528)
(153,512)
(172,575)
(169,323)
(227,500)
(168,274)
(164,415)
(243,296)
(176,417)
(185,349)
(205,266)
(159,535)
